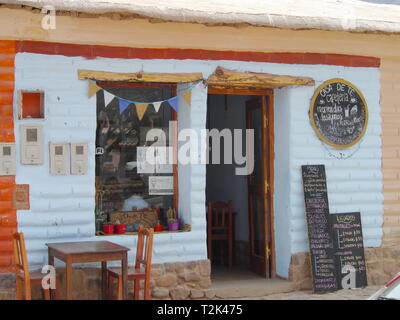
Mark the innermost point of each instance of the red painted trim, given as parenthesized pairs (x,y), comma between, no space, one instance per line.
(93,51)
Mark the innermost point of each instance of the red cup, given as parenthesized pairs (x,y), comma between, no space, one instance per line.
(158,228)
(108,229)
(120,228)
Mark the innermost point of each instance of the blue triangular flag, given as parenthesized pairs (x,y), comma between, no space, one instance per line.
(173,102)
(123,104)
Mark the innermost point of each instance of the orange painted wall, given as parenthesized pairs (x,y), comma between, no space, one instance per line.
(8,219)
(390,101)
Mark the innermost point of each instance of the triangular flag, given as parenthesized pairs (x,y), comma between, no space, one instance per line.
(93,88)
(141,109)
(123,104)
(108,97)
(187,96)
(174,103)
(157,105)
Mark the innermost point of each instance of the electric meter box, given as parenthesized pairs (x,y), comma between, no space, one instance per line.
(32,144)
(7,159)
(58,158)
(79,158)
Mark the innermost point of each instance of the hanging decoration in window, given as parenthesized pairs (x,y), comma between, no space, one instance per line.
(141,106)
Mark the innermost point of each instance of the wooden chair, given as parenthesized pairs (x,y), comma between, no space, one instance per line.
(220,227)
(23,277)
(140,271)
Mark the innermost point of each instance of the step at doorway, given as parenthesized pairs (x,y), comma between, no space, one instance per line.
(240,282)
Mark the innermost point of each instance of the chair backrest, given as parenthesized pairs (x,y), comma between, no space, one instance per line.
(20,257)
(219,215)
(144,248)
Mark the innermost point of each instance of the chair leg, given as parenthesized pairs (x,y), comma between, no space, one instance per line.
(28,294)
(209,247)
(110,286)
(57,289)
(18,288)
(230,251)
(136,289)
(46,294)
(119,294)
(146,295)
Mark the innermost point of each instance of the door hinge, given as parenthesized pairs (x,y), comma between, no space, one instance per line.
(266,186)
(267,252)
(265,122)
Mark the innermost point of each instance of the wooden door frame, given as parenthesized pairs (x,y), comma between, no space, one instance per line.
(269,93)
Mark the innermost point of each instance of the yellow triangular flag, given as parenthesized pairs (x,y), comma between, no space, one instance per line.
(187,96)
(93,88)
(141,109)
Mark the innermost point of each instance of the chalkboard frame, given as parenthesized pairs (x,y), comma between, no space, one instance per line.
(312,120)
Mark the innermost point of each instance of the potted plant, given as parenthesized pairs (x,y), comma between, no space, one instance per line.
(120,228)
(173,223)
(158,227)
(108,228)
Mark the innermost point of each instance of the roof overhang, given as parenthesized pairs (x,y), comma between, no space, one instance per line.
(341,15)
(220,78)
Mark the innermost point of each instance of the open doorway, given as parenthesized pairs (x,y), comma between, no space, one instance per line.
(251,195)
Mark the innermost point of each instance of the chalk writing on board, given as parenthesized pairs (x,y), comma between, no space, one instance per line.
(339,113)
(319,232)
(348,244)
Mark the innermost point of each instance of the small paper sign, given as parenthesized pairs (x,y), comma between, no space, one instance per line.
(164,159)
(21,197)
(146,160)
(161,185)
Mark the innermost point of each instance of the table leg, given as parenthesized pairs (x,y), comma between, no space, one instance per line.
(51,263)
(124,264)
(68,280)
(104,280)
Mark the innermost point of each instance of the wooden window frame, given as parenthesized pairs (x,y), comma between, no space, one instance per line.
(173,87)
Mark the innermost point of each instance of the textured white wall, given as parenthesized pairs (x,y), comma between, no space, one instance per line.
(354,183)
(282,194)
(62,207)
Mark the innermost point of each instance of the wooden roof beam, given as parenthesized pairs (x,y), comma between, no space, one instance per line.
(224,78)
(139,76)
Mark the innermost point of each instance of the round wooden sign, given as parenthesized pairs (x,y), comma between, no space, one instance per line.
(339,113)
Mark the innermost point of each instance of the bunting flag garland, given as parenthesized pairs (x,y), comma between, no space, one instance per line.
(187,96)
(173,102)
(123,104)
(157,105)
(141,109)
(108,97)
(93,88)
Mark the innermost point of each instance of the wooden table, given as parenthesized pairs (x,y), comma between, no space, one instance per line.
(89,251)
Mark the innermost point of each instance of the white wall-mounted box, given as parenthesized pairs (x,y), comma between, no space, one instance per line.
(58,158)
(32,144)
(79,158)
(7,159)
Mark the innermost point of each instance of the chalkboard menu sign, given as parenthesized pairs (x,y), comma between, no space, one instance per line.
(339,113)
(319,231)
(349,248)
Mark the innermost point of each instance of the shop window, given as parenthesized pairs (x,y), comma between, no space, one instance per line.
(31,105)
(123,193)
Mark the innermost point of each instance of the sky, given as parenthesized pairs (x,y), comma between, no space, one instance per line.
(384,1)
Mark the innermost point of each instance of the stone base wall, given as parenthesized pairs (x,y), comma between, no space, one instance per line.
(382,265)
(177,281)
